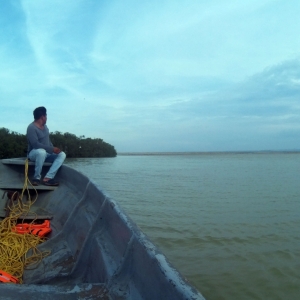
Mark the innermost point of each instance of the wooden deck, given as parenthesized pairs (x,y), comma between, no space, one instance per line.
(18,182)
(21,161)
(19,186)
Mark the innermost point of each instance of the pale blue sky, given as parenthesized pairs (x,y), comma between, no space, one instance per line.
(155,75)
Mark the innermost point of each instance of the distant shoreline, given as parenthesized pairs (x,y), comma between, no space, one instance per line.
(210,152)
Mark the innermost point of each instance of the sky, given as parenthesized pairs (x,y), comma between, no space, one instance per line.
(155,76)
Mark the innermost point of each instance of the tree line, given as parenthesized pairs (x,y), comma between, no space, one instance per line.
(13,144)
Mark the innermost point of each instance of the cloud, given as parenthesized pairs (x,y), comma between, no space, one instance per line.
(160,75)
(264,107)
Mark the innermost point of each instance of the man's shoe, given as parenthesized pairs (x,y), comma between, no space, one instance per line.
(35,182)
(51,182)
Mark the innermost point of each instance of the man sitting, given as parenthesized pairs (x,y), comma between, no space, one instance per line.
(40,148)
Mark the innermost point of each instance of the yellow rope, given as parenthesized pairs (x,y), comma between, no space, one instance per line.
(14,247)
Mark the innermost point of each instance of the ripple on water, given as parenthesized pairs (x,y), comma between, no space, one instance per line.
(229,222)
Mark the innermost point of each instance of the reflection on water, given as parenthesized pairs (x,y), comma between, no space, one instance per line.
(228,222)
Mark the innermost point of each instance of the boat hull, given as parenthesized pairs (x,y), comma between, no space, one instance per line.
(97,251)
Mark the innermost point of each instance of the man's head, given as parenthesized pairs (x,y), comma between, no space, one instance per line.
(40,113)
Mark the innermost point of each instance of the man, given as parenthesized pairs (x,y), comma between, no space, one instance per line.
(40,148)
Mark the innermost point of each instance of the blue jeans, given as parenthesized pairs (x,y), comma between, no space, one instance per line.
(40,156)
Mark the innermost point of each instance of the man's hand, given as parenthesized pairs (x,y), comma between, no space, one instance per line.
(56,150)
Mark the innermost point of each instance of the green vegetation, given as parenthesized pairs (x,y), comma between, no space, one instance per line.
(82,147)
(13,144)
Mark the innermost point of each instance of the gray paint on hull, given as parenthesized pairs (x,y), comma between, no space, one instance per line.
(94,242)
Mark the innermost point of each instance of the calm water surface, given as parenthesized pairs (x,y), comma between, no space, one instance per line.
(229,222)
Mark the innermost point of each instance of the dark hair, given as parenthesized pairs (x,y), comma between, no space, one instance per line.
(39,111)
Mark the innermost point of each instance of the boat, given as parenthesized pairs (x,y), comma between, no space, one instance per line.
(96,250)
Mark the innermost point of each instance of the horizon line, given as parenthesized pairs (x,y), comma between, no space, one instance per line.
(205,152)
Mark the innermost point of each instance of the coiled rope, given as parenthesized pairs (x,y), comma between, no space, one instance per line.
(14,248)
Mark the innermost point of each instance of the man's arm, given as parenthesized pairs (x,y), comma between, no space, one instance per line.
(56,150)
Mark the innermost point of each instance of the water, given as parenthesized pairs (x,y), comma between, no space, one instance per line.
(229,222)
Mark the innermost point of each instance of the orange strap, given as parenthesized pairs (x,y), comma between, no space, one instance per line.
(7,278)
(36,229)
(41,232)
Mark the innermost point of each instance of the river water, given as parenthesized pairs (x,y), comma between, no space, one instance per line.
(229,222)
